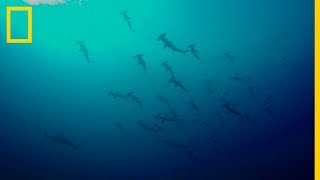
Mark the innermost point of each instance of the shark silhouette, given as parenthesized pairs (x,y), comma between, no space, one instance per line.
(127,19)
(193,51)
(165,101)
(141,62)
(194,105)
(116,95)
(60,139)
(231,110)
(135,99)
(177,83)
(168,68)
(230,57)
(84,49)
(169,44)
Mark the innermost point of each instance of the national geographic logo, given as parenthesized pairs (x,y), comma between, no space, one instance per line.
(19,41)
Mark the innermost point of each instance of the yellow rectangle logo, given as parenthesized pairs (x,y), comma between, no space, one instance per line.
(19,41)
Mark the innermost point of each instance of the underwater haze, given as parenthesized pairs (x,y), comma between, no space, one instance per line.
(158,90)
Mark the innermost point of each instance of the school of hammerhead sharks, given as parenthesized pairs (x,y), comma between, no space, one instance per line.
(172,116)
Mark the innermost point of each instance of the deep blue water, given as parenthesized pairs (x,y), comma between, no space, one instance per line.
(48,89)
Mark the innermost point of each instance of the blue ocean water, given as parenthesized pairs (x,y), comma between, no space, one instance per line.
(243,111)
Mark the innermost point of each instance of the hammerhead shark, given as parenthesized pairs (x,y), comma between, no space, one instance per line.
(135,99)
(194,51)
(141,62)
(227,106)
(127,19)
(194,105)
(116,95)
(168,68)
(84,49)
(171,116)
(165,101)
(60,139)
(177,83)
(169,44)
(229,56)
(152,128)
(175,117)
